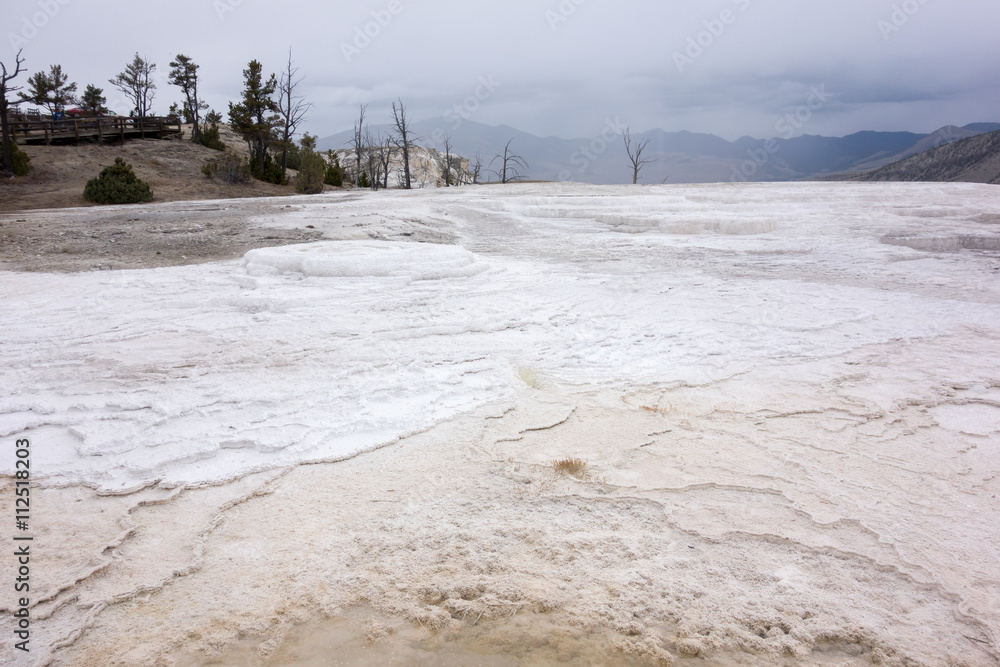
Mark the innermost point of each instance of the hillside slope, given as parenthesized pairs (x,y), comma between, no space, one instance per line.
(172,167)
(940,137)
(972,160)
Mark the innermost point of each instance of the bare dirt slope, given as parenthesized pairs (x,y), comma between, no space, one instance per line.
(972,160)
(164,233)
(172,167)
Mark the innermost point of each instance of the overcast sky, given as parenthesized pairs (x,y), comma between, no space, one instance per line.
(728,67)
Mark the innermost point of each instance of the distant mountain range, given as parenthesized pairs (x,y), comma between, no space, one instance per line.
(678,157)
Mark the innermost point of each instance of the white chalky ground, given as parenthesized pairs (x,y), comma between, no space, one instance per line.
(787,396)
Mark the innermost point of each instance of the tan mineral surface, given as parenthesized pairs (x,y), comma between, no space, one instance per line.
(780,469)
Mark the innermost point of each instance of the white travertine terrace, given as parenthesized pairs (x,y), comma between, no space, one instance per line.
(788,403)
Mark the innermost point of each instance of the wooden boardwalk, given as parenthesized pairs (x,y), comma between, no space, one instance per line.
(72,130)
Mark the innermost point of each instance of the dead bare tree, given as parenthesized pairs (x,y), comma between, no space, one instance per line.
(358,143)
(384,158)
(476,167)
(291,108)
(368,162)
(447,161)
(635,151)
(511,165)
(402,139)
(6,87)
(374,166)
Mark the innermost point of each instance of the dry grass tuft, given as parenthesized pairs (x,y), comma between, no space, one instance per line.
(574,467)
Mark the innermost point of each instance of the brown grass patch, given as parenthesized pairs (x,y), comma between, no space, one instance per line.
(569,466)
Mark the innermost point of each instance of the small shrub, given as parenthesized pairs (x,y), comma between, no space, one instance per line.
(334,172)
(209,137)
(363,181)
(230,169)
(271,173)
(234,169)
(312,168)
(117,184)
(293,159)
(174,114)
(574,467)
(19,160)
(310,178)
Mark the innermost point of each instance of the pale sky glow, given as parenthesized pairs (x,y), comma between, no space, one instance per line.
(728,67)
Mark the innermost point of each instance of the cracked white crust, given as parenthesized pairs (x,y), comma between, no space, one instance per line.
(812,479)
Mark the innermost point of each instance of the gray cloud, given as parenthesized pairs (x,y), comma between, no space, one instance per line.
(731,67)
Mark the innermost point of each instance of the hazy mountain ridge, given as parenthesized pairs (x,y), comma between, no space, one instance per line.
(678,157)
(943,136)
(975,159)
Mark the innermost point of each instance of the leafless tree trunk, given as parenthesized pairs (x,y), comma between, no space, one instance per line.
(403,140)
(477,168)
(447,161)
(292,109)
(378,158)
(635,154)
(358,143)
(368,163)
(5,87)
(385,157)
(511,165)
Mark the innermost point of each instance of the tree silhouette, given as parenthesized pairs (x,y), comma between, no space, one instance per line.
(634,151)
(511,165)
(5,87)
(136,83)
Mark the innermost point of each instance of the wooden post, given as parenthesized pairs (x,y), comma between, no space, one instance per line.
(47,141)
(76,128)
(100,132)
(121,127)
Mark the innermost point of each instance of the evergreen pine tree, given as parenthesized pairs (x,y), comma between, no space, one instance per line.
(92,101)
(255,119)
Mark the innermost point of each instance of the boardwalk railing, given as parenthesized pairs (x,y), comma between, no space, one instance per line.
(103,129)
